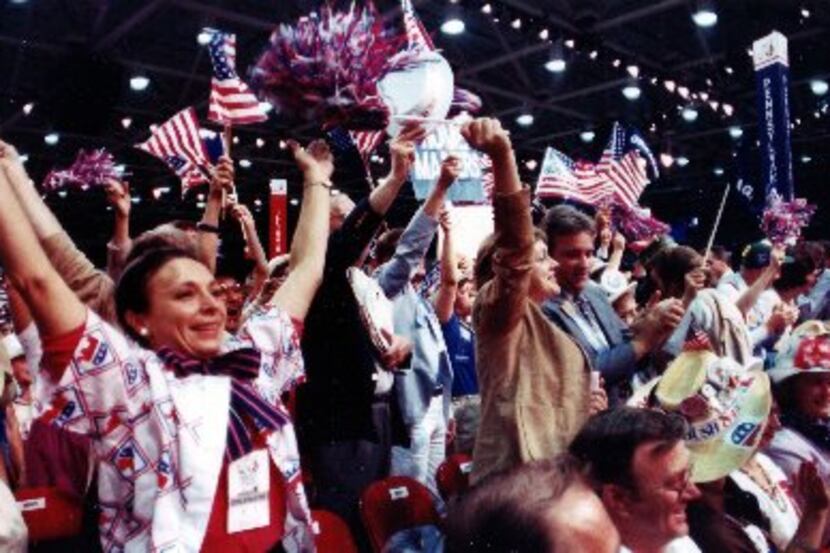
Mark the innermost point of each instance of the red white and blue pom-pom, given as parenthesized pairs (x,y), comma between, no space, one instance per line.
(783,222)
(90,168)
(325,68)
(634,223)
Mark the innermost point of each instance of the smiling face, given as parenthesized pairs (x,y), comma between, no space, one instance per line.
(543,283)
(574,253)
(185,309)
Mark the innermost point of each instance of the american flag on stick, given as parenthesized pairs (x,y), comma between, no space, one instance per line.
(562,177)
(177,143)
(231,101)
(624,167)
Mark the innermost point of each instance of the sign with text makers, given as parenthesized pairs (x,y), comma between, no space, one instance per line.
(772,77)
(278,218)
(444,141)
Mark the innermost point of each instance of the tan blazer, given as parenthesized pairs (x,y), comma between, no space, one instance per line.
(534,380)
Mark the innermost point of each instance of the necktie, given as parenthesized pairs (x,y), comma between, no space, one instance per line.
(590,317)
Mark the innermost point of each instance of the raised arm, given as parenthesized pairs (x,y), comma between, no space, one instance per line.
(253,248)
(749,298)
(450,274)
(118,248)
(308,248)
(503,299)
(402,152)
(221,183)
(55,308)
(415,240)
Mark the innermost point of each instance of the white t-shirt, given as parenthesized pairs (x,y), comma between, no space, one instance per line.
(780,509)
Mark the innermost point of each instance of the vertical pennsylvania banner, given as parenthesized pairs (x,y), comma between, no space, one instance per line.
(772,76)
(278,218)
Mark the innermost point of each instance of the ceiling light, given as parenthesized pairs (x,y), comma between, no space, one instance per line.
(205,35)
(633,70)
(27,108)
(587,136)
(23,158)
(805,13)
(525,119)
(570,43)
(654,81)
(714,104)
(487,8)
(453,24)
(616,62)
(728,110)
(705,16)
(703,96)
(245,163)
(62,193)
(683,92)
(555,65)
(260,142)
(126,122)
(593,54)
(689,114)
(671,86)
(806,159)
(18,1)
(136,199)
(728,70)
(531,164)
(544,34)
(236,140)
(266,106)
(52,138)
(139,83)
(632,92)
(666,160)
(718,171)
(282,145)
(682,161)
(294,201)
(736,132)
(516,23)
(819,87)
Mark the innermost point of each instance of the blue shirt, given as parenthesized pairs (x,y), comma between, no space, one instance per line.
(460,342)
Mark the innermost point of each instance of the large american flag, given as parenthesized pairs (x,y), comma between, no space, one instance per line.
(231,101)
(177,143)
(624,167)
(562,177)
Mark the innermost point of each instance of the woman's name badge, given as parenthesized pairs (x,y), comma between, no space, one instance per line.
(248,492)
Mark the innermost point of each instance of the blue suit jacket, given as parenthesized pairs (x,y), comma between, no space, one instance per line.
(618,362)
(414,318)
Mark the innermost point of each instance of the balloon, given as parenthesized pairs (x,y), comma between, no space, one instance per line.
(424,90)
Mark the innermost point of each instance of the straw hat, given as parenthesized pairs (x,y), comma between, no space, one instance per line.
(615,285)
(805,350)
(724,404)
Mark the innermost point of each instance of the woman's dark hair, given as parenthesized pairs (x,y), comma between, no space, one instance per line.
(795,272)
(511,511)
(131,291)
(168,235)
(671,266)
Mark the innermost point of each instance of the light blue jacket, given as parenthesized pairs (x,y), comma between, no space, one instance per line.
(415,319)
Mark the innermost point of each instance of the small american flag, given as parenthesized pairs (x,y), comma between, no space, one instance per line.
(231,101)
(177,143)
(562,177)
(415,32)
(624,167)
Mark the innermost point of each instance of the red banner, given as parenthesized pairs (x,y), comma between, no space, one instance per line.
(278,216)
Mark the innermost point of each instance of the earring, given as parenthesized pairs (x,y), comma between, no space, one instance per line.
(144,332)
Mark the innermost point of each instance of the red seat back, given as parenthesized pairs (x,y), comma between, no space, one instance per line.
(453,475)
(394,504)
(331,534)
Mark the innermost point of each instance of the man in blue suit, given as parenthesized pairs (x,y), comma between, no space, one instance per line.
(584,312)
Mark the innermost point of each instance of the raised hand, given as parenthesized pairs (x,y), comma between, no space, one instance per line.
(118,196)
(8,154)
(445,221)
(316,161)
(694,281)
(223,176)
(488,136)
(450,170)
(402,150)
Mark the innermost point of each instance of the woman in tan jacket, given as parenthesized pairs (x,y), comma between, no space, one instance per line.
(534,380)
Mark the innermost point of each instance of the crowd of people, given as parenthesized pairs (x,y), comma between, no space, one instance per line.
(612,397)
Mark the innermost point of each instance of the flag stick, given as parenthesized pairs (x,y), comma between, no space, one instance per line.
(227,136)
(716,225)
(433,120)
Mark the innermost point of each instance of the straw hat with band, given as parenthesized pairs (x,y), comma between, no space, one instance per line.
(615,285)
(725,407)
(806,350)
